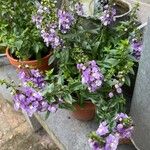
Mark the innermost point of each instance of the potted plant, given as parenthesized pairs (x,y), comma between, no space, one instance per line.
(108,135)
(20,36)
(93,64)
(78,49)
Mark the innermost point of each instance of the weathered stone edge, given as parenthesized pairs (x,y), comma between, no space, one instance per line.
(52,135)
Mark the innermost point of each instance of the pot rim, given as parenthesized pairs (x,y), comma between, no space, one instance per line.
(17,60)
(124,14)
(117,16)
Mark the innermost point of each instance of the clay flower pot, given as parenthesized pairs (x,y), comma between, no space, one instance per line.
(125,141)
(85,113)
(41,64)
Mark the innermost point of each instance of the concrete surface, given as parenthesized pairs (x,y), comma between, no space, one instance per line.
(144,11)
(140,109)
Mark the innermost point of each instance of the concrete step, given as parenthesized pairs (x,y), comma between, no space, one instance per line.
(69,133)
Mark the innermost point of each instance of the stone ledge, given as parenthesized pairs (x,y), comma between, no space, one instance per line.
(69,133)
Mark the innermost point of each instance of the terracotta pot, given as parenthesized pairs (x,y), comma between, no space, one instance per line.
(41,64)
(85,113)
(125,141)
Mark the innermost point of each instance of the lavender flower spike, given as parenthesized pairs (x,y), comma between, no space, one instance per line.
(103,129)
(111,142)
(91,75)
(136,48)
(65,21)
(79,9)
(108,16)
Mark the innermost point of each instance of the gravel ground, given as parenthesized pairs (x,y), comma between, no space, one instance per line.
(16,134)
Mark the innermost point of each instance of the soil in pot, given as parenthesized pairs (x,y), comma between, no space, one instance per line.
(125,141)
(41,64)
(85,113)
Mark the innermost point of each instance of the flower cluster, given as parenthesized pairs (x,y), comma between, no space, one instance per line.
(49,23)
(32,76)
(79,9)
(91,75)
(136,46)
(117,89)
(50,36)
(47,29)
(29,100)
(65,20)
(28,96)
(108,15)
(124,125)
(102,139)
(108,139)
(37,19)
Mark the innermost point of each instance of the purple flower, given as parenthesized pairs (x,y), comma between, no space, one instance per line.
(103,129)
(37,19)
(31,101)
(91,75)
(51,38)
(41,8)
(53,108)
(94,145)
(79,9)
(28,99)
(124,125)
(118,88)
(111,142)
(65,21)
(108,15)
(111,94)
(121,116)
(136,46)
(32,76)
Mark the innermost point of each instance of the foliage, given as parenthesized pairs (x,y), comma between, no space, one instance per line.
(81,40)
(108,134)
(17,30)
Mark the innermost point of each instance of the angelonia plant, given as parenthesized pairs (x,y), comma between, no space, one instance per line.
(107,136)
(94,59)
(18,32)
(27,95)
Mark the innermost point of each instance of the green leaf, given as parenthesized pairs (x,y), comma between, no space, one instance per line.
(47,115)
(50,87)
(112,61)
(60,80)
(127,80)
(18,44)
(68,98)
(76,86)
(51,60)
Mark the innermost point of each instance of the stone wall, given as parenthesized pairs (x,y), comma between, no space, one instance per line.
(144,12)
